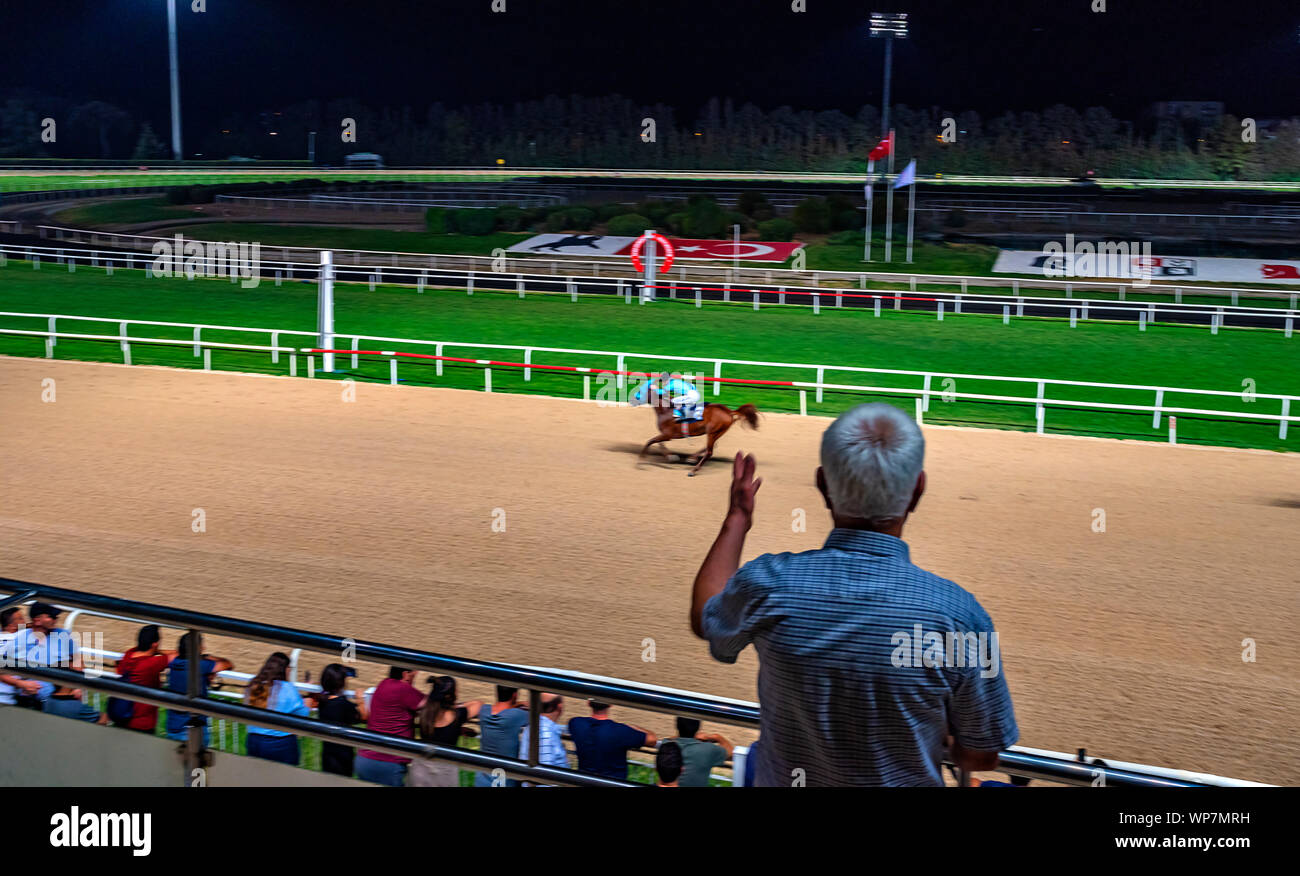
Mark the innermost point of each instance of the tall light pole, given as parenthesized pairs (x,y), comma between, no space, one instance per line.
(889,26)
(176,82)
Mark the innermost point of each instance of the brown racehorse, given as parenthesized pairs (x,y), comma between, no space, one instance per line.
(715,423)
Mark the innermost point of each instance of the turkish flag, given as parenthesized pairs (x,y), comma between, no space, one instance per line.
(746,250)
(882,150)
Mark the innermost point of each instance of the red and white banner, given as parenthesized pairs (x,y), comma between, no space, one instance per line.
(685,248)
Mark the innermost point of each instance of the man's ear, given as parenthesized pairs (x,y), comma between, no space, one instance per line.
(825,491)
(917,492)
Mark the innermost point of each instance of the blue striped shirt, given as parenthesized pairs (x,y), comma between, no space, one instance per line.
(866,664)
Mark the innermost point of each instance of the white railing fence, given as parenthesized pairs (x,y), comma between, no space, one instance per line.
(932,383)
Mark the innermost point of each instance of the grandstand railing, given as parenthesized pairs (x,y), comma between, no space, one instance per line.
(1018,762)
(923,395)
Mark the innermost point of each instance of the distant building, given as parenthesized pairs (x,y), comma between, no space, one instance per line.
(1206,112)
(363,159)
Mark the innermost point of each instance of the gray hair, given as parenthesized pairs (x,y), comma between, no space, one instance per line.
(872,456)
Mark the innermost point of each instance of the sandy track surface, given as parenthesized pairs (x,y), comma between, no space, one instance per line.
(374,519)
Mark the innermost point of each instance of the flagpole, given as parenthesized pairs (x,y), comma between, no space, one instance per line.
(911,218)
(889,202)
(871,172)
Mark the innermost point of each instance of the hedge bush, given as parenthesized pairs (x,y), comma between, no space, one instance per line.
(628,225)
(776,229)
(475,221)
(812,215)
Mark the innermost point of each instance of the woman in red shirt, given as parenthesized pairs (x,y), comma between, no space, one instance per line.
(144,665)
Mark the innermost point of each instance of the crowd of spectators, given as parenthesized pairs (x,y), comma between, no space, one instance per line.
(837,707)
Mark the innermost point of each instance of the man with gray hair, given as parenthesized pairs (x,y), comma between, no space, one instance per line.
(848,695)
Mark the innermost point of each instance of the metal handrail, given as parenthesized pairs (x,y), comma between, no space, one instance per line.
(382,742)
(1018,763)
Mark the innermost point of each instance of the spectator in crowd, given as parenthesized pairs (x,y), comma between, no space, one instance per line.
(11,621)
(550,738)
(842,702)
(499,726)
(271,689)
(602,743)
(668,764)
(441,721)
(142,665)
(43,643)
(178,672)
(701,752)
(14,690)
(333,707)
(393,707)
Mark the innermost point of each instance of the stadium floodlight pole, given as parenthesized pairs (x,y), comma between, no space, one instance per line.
(176,82)
(888,26)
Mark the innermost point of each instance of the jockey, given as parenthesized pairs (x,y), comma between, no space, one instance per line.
(683,396)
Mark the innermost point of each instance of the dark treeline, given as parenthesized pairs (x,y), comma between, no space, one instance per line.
(607,132)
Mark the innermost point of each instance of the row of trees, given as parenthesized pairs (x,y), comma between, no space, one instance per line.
(612,132)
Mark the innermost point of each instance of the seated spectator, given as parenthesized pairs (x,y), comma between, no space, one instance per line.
(499,726)
(44,644)
(178,673)
(333,707)
(842,701)
(393,707)
(668,765)
(550,738)
(11,621)
(701,752)
(602,744)
(142,665)
(14,690)
(271,689)
(441,722)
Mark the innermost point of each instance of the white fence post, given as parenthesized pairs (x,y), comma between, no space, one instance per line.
(528,360)
(1160,400)
(1286,412)
(821,373)
(717,373)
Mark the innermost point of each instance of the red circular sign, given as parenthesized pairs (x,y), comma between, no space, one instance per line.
(640,244)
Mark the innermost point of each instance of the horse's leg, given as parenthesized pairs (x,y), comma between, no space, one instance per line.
(713,437)
(661,437)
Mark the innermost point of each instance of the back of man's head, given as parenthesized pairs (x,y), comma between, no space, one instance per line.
(687,727)
(506,694)
(668,762)
(551,703)
(872,457)
(147,637)
(597,706)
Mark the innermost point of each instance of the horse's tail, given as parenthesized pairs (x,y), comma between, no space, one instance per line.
(748,413)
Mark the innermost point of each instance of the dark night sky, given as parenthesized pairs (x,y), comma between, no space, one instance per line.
(988,55)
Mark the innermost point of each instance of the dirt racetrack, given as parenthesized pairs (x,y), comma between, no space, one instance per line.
(374,519)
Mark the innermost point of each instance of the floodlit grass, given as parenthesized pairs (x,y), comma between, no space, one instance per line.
(380,239)
(134,209)
(1164,355)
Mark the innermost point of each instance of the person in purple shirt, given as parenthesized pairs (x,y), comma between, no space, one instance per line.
(602,744)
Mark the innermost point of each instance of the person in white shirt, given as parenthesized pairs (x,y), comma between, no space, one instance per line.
(550,741)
